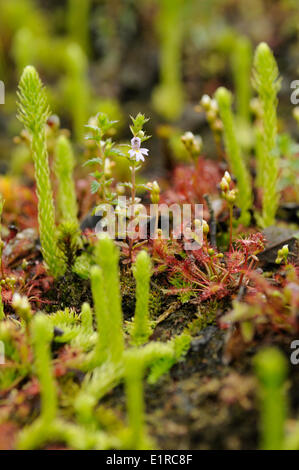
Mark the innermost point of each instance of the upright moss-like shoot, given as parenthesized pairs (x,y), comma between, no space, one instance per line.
(78,19)
(103,322)
(241,65)
(134,370)
(33,113)
(168,96)
(33,436)
(267,84)
(271,370)
(41,334)
(64,166)
(236,162)
(76,86)
(142,273)
(86,317)
(107,256)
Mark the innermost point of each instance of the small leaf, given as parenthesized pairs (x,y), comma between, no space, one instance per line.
(114,152)
(97,174)
(92,161)
(143,186)
(95,186)
(127,185)
(91,128)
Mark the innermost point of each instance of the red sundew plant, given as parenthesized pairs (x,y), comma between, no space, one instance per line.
(206,273)
(33,282)
(22,269)
(191,183)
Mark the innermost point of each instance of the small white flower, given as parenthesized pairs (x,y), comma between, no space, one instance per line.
(20,302)
(136,152)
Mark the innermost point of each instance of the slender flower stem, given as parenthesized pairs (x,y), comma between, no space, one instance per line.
(156,220)
(133,195)
(101,155)
(230,227)
(133,183)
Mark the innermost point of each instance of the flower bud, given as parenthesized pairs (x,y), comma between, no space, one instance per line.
(53,122)
(214,105)
(211,115)
(20,302)
(25,264)
(155,193)
(227,177)
(187,139)
(231,196)
(140,135)
(192,143)
(285,250)
(205,102)
(224,185)
(205,227)
(155,187)
(217,125)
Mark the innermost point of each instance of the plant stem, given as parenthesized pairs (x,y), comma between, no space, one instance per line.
(230,227)
(133,195)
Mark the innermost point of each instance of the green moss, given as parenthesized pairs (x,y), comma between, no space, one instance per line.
(205,316)
(128,288)
(70,291)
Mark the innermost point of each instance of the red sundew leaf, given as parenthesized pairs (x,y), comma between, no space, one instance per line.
(260,283)
(66,357)
(235,261)
(201,256)
(253,244)
(215,290)
(32,388)
(60,370)
(165,251)
(6,295)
